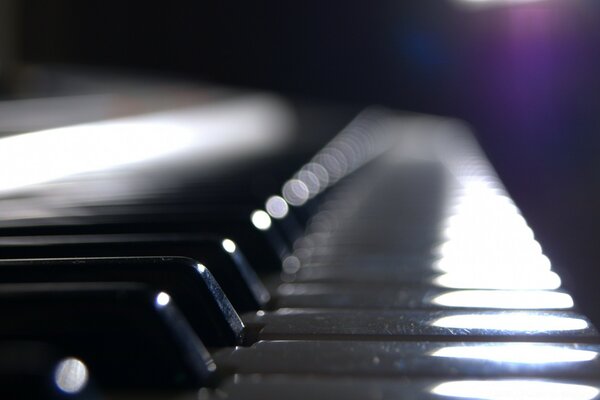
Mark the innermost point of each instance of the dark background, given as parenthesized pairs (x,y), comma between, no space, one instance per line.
(525,76)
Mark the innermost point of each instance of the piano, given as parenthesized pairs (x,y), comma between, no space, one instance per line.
(209,243)
(217,200)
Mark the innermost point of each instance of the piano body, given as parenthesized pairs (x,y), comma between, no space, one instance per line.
(169,239)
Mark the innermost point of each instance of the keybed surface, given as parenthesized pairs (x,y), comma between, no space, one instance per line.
(392,263)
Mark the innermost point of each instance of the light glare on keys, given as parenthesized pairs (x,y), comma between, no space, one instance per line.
(505,299)
(487,243)
(521,353)
(515,389)
(512,322)
(291,264)
(71,375)
(477,260)
(346,152)
(199,133)
(295,192)
(91,147)
(499,279)
(229,245)
(261,220)
(201,268)
(277,207)
(319,172)
(311,181)
(162,299)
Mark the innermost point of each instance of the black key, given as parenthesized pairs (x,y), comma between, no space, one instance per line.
(263,247)
(128,336)
(221,256)
(191,285)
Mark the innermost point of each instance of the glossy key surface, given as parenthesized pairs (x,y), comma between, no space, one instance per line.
(315,324)
(127,335)
(221,256)
(378,297)
(293,387)
(413,359)
(190,284)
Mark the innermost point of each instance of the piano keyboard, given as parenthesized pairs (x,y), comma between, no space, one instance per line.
(391,264)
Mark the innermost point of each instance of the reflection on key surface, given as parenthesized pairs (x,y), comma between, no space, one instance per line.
(419,359)
(505,299)
(523,353)
(515,389)
(302,387)
(515,322)
(71,375)
(535,280)
(260,220)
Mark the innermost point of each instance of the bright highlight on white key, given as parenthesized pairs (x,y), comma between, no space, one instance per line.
(486,242)
(512,322)
(505,299)
(511,389)
(487,232)
(520,353)
(499,279)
